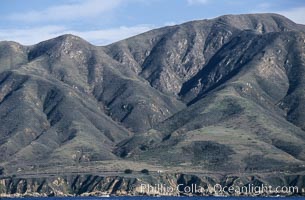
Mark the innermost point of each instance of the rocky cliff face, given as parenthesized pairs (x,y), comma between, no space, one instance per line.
(221,96)
(165,185)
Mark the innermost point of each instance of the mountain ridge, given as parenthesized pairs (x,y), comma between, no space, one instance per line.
(221,95)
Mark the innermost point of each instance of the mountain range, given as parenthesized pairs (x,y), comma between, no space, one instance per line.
(214,99)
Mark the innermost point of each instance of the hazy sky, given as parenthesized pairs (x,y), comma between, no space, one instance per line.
(105,21)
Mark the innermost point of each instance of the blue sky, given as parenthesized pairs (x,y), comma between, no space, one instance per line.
(102,22)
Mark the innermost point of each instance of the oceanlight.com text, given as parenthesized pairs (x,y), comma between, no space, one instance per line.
(255,189)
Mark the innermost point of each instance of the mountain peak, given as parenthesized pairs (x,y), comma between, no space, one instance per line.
(263,22)
(70,37)
(61,44)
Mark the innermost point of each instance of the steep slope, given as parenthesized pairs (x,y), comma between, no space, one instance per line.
(245,107)
(42,119)
(169,56)
(65,96)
